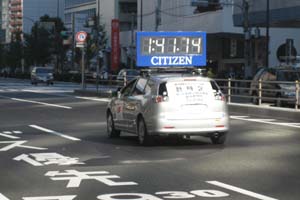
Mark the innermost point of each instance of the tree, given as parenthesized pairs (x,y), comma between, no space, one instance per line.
(44,42)
(14,52)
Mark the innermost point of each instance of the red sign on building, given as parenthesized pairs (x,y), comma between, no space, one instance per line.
(115,45)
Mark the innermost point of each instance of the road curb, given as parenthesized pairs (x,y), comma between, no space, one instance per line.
(264,111)
(234,108)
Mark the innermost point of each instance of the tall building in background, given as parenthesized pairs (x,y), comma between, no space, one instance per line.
(20,15)
(3,19)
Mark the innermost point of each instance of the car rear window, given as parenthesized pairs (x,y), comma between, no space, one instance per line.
(162,88)
(190,92)
(43,70)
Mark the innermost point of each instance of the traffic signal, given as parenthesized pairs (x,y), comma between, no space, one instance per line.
(66,35)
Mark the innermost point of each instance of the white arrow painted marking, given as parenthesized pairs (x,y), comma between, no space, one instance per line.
(241,191)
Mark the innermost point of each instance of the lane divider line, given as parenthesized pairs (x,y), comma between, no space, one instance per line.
(94,99)
(54,133)
(41,103)
(266,121)
(240,190)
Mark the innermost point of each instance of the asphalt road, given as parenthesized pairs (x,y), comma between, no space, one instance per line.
(53,146)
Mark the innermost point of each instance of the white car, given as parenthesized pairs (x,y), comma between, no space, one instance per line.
(169,104)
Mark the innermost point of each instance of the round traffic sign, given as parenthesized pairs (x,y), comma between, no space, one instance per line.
(81,36)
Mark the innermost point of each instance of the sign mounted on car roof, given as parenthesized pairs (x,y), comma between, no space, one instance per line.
(166,49)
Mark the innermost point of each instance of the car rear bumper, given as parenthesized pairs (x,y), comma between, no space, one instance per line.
(203,127)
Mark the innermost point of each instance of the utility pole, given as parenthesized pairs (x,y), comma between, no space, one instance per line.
(247,35)
(73,41)
(157,15)
(141,19)
(132,40)
(267,32)
(97,40)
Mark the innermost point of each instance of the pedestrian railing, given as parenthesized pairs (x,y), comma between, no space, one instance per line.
(237,91)
(281,93)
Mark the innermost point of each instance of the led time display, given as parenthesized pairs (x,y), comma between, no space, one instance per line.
(161,49)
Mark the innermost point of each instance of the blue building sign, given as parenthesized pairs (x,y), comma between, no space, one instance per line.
(171,49)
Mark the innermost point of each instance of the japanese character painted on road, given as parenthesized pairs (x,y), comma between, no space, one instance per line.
(2,197)
(75,177)
(14,144)
(8,134)
(68,197)
(42,159)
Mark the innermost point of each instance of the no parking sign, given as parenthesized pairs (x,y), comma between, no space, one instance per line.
(80,38)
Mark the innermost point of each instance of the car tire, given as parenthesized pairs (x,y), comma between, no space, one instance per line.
(111,130)
(143,137)
(219,139)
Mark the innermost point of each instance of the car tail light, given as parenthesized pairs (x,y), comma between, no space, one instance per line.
(159,99)
(169,127)
(220,97)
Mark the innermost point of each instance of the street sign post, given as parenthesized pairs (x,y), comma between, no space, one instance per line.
(80,38)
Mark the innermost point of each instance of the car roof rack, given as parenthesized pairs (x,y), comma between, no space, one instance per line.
(179,70)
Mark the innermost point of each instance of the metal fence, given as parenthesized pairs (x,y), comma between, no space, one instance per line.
(236,91)
(257,92)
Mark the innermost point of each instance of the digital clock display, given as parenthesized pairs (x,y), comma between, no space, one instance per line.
(162,49)
(171,45)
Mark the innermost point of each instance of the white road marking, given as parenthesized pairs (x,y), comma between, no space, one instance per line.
(150,161)
(9,136)
(241,191)
(67,197)
(7,132)
(54,133)
(41,103)
(2,197)
(94,99)
(17,132)
(267,121)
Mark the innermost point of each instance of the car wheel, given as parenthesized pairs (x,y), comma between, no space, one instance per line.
(143,137)
(219,138)
(111,131)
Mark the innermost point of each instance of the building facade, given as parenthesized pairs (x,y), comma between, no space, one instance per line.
(79,12)
(20,15)
(283,23)
(227,49)
(225,43)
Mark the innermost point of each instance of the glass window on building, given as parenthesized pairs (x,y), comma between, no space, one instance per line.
(71,3)
(206,5)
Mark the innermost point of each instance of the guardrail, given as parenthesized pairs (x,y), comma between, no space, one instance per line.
(237,91)
(279,92)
